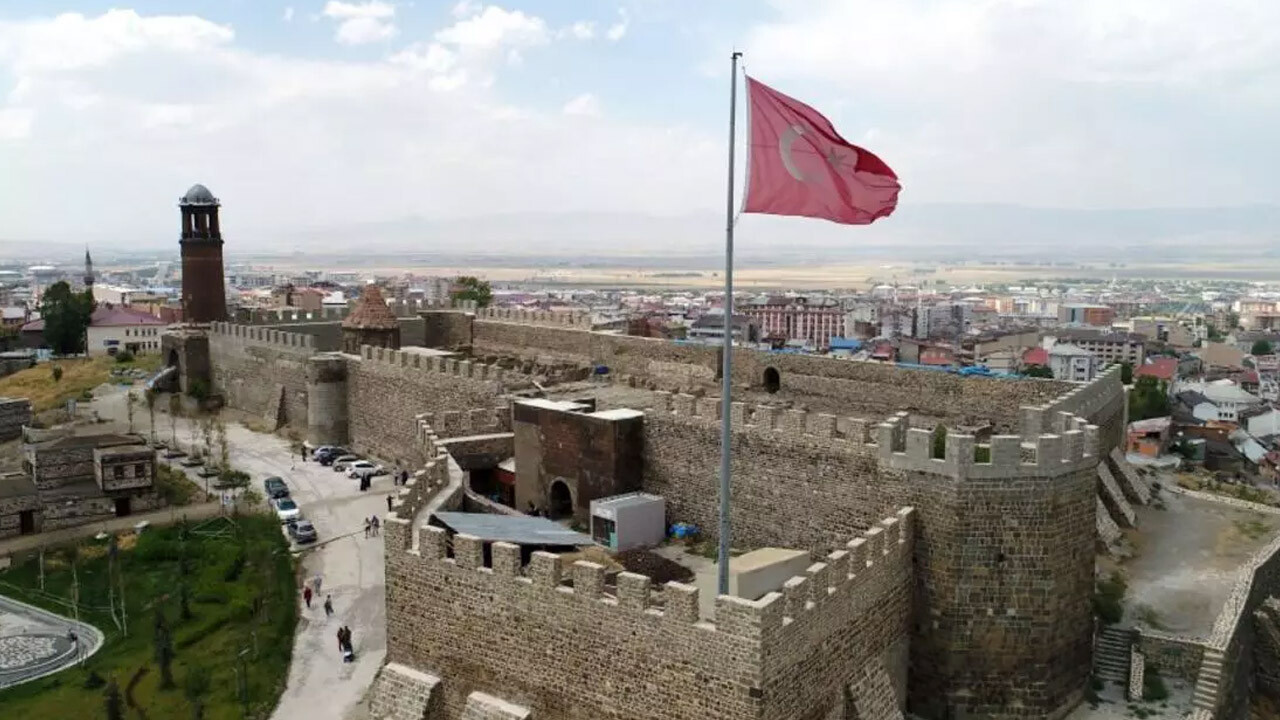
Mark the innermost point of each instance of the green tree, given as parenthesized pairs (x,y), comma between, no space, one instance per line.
(940,441)
(195,686)
(473,288)
(1260,347)
(66,318)
(1149,398)
(115,708)
(1126,372)
(163,645)
(1038,371)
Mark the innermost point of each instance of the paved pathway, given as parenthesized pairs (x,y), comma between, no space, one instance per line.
(320,685)
(34,642)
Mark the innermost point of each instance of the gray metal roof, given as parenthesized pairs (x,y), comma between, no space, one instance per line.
(628,500)
(521,530)
(199,195)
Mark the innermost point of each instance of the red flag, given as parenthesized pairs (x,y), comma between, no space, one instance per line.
(799,165)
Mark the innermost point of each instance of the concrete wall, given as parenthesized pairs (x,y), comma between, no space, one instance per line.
(253,367)
(552,637)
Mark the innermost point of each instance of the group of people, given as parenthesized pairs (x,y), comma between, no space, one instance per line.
(371,526)
(344,644)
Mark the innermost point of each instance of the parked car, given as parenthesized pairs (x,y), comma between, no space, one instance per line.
(332,454)
(344,462)
(286,509)
(275,488)
(302,531)
(360,468)
(321,451)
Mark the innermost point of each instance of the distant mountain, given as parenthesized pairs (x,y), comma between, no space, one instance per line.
(934,232)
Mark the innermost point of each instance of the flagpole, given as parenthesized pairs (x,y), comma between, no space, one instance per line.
(726,368)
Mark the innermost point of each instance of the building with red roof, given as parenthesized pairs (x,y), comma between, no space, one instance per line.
(112,329)
(1035,356)
(1160,368)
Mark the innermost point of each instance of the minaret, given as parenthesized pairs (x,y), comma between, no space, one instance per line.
(88,270)
(203,287)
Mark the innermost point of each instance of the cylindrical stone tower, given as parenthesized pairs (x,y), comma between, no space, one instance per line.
(327,399)
(204,297)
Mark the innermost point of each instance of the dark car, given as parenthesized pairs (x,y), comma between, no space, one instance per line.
(327,455)
(275,488)
(302,531)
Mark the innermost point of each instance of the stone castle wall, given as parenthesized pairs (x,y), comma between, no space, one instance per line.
(388,389)
(669,365)
(262,371)
(877,390)
(14,413)
(493,627)
(993,536)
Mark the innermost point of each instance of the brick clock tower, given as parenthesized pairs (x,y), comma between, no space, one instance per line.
(204,297)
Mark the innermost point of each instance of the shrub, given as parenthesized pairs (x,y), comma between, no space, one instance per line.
(1108,599)
(124,357)
(57,373)
(198,389)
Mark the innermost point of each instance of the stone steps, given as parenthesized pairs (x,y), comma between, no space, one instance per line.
(1111,652)
(1208,681)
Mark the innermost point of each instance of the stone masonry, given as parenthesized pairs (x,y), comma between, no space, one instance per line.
(14,413)
(982,590)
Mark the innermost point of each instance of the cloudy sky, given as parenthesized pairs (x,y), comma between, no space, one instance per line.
(310,113)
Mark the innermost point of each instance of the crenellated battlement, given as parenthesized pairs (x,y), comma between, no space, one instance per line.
(856,432)
(445,365)
(1082,400)
(1070,444)
(844,570)
(580,320)
(290,315)
(410,308)
(251,335)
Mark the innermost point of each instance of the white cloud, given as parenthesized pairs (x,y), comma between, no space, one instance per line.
(288,14)
(580,30)
(466,8)
(15,123)
(617,30)
(585,104)
(1049,102)
(493,28)
(291,142)
(362,23)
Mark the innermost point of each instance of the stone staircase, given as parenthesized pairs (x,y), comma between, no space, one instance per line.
(1111,654)
(1205,695)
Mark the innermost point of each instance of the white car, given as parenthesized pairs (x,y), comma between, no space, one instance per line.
(286,509)
(344,462)
(360,468)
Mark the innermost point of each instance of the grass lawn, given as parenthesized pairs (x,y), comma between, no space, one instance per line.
(241,591)
(78,376)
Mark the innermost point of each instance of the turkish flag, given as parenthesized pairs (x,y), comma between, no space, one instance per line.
(799,165)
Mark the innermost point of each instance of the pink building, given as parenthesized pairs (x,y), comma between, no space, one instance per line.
(813,320)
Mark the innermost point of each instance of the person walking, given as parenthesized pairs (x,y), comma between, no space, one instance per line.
(367,527)
(306,595)
(388,503)
(304,453)
(342,639)
(328,606)
(375,526)
(315,582)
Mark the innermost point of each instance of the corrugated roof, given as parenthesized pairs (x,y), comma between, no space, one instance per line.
(518,529)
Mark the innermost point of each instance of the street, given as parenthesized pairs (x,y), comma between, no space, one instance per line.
(320,685)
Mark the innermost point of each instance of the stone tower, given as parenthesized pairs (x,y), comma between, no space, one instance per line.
(88,271)
(371,323)
(203,290)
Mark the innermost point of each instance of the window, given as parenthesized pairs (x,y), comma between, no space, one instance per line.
(118,471)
